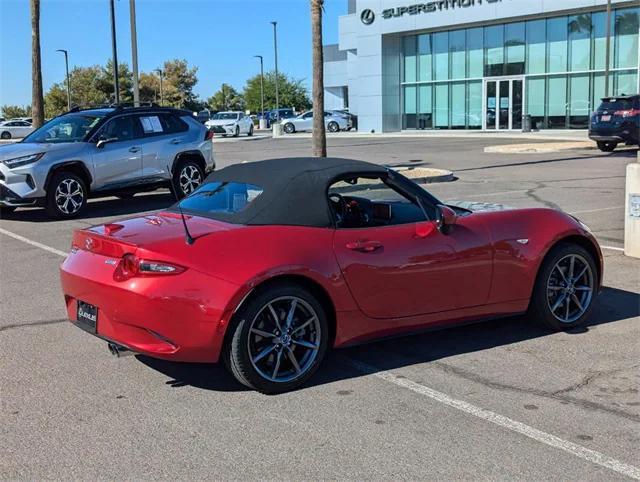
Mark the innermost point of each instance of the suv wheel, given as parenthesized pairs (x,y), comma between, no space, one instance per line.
(187,178)
(607,146)
(66,196)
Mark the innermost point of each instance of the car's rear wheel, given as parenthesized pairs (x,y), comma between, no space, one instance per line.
(66,196)
(333,126)
(565,287)
(237,132)
(250,133)
(289,128)
(187,178)
(5,135)
(277,339)
(607,146)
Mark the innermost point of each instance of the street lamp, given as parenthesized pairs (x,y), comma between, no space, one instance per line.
(66,64)
(607,54)
(275,50)
(116,85)
(134,52)
(161,93)
(263,121)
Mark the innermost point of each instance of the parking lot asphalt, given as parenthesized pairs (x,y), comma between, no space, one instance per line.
(503,399)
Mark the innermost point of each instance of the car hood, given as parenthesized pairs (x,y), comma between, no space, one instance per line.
(220,122)
(19,149)
(478,207)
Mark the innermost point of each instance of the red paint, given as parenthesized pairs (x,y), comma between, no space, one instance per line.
(381,281)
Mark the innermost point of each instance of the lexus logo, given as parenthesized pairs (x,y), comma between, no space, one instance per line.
(367,16)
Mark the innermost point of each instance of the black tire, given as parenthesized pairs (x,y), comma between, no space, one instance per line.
(289,128)
(250,133)
(237,132)
(58,205)
(333,126)
(237,350)
(544,298)
(184,170)
(607,146)
(5,135)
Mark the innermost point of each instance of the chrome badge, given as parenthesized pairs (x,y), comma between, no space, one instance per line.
(111,262)
(523,241)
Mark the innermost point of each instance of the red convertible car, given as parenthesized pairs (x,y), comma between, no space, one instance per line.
(268,264)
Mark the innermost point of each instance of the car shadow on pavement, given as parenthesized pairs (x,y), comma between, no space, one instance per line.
(612,305)
(101,208)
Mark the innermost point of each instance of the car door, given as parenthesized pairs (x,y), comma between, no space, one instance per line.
(411,268)
(163,136)
(306,122)
(22,128)
(118,162)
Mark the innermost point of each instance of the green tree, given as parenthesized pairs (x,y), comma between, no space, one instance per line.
(292,92)
(227,98)
(11,111)
(177,84)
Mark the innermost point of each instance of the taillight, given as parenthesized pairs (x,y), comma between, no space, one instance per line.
(208,135)
(627,113)
(130,267)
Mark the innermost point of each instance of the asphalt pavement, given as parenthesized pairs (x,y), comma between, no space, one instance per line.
(503,399)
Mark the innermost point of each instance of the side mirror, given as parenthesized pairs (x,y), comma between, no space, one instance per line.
(103,141)
(445,218)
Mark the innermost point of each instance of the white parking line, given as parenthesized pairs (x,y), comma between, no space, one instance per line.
(33,243)
(505,422)
(613,248)
(597,210)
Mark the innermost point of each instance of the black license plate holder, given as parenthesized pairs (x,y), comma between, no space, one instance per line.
(87,316)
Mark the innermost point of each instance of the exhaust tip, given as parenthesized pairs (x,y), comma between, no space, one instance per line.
(116,350)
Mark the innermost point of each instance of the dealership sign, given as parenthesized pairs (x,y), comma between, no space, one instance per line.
(367,16)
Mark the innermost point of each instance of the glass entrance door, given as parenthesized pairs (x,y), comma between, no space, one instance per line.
(503,103)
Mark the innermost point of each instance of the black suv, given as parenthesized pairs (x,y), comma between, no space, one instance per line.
(616,120)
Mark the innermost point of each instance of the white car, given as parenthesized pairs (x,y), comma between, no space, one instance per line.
(333,122)
(15,128)
(232,123)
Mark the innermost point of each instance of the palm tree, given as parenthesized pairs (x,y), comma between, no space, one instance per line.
(37,100)
(319,134)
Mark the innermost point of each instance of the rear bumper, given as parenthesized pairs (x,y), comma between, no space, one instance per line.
(179,318)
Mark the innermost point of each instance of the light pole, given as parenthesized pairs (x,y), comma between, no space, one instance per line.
(607,50)
(116,84)
(66,65)
(161,93)
(134,52)
(263,121)
(275,50)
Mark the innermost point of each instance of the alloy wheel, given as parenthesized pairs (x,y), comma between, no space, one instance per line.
(69,196)
(190,179)
(284,339)
(570,288)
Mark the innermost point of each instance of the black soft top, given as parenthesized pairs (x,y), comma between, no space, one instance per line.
(294,189)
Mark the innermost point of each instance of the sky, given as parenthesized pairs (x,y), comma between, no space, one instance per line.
(220,37)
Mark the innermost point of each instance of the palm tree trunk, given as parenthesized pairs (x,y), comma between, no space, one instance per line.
(319,134)
(37,101)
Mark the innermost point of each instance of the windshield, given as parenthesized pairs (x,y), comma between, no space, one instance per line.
(616,104)
(221,197)
(67,128)
(225,115)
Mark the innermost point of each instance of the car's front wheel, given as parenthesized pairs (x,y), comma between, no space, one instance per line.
(607,146)
(277,339)
(237,132)
(250,133)
(333,126)
(289,128)
(66,196)
(187,178)
(565,288)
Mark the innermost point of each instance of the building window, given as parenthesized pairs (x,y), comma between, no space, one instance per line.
(457,49)
(557,44)
(424,58)
(556,102)
(425,107)
(475,52)
(626,37)
(410,59)
(579,105)
(494,50)
(442,106)
(580,42)
(441,55)
(515,45)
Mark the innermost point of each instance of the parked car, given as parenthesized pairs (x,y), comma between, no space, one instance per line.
(269,264)
(617,120)
(279,114)
(100,152)
(231,123)
(352,119)
(15,128)
(203,116)
(304,122)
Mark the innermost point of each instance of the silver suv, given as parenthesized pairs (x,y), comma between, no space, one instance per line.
(102,152)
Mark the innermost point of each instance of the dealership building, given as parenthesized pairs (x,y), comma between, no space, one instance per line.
(480,64)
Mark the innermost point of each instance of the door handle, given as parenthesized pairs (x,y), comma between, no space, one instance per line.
(134,149)
(364,246)
(175,141)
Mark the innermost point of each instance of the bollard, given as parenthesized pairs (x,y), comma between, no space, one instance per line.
(632,210)
(262,124)
(277,129)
